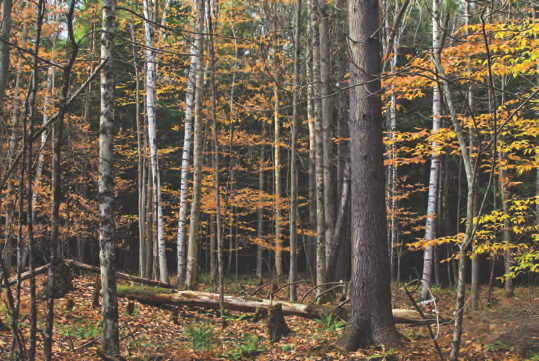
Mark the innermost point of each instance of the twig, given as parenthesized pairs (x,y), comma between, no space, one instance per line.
(326,291)
(286,285)
(428,326)
(318,286)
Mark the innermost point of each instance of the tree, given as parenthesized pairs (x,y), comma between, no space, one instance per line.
(293,161)
(56,184)
(151,107)
(435,162)
(111,341)
(371,320)
(192,258)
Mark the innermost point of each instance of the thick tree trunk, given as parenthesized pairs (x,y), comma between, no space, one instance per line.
(371,322)
(110,336)
(158,297)
(192,265)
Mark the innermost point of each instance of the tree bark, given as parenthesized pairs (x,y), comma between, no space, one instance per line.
(196,60)
(8,247)
(293,272)
(191,275)
(151,107)
(260,229)
(370,322)
(435,163)
(110,336)
(319,160)
(277,164)
(56,179)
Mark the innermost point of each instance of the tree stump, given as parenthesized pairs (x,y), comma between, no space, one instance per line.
(63,281)
(276,324)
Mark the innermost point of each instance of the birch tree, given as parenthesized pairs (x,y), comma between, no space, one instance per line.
(191,276)
(435,162)
(110,338)
(188,130)
(151,107)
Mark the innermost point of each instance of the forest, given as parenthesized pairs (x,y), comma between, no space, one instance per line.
(274,179)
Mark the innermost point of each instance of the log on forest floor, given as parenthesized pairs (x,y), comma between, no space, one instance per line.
(161,296)
(86,267)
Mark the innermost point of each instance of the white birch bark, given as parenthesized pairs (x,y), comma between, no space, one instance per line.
(192,254)
(151,82)
(435,164)
(319,169)
(188,129)
(110,336)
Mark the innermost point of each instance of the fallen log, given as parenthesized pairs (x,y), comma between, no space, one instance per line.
(125,276)
(161,296)
(86,267)
(25,275)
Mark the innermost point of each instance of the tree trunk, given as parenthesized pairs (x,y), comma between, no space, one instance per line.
(319,162)
(141,185)
(189,105)
(434,165)
(311,250)
(4,65)
(277,160)
(370,322)
(30,111)
(191,275)
(339,226)
(56,180)
(151,107)
(110,336)
(327,126)
(506,224)
(293,273)
(344,266)
(260,229)
(8,247)
(216,167)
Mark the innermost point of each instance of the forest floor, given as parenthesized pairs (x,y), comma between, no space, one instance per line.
(507,330)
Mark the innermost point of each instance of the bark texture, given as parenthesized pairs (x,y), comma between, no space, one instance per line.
(110,337)
(370,322)
(191,276)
